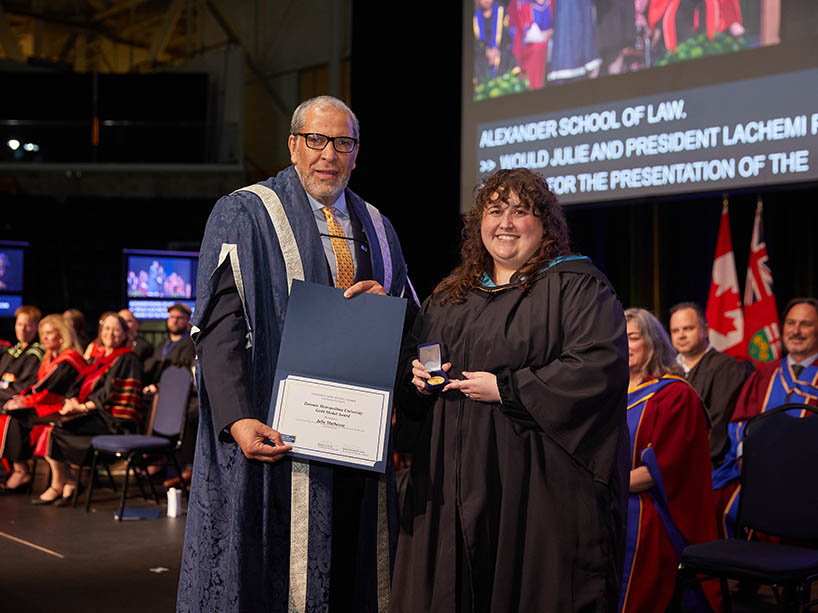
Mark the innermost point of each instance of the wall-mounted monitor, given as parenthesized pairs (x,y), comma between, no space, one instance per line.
(154,280)
(12,257)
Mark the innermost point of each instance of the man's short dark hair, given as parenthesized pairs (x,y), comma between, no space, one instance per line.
(180,306)
(813,302)
(690,305)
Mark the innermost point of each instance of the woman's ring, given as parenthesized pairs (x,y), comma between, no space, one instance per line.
(467,396)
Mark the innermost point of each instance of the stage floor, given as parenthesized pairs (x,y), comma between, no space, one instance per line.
(67,560)
(64,559)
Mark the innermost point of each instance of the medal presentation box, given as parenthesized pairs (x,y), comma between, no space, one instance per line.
(429,355)
(334,375)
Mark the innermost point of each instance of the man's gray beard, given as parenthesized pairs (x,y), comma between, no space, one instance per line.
(323,199)
(332,198)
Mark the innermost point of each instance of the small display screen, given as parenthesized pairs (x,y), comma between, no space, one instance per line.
(155,280)
(11,269)
(160,277)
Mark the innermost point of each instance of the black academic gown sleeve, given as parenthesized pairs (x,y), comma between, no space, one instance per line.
(59,381)
(119,391)
(564,396)
(24,369)
(223,358)
(183,354)
(142,348)
(718,379)
(411,406)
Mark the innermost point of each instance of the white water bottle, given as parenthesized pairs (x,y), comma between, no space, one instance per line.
(174,502)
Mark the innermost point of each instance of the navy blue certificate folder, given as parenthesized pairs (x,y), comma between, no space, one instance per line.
(354,341)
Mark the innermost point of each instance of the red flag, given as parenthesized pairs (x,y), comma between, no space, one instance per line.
(724,316)
(762,337)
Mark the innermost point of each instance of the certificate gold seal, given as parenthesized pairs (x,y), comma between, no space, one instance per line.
(435,380)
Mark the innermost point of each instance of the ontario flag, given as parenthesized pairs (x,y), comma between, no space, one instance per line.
(723,313)
(762,336)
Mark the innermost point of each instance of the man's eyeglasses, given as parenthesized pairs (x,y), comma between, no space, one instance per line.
(342,144)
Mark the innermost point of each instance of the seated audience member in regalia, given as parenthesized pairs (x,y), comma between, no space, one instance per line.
(106,399)
(74,318)
(18,370)
(61,366)
(140,345)
(718,379)
(521,451)
(791,379)
(670,504)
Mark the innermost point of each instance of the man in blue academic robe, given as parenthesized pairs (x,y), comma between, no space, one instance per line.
(266,532)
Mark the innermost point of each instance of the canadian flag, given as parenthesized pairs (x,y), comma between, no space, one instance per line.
(762,338)
(724,316)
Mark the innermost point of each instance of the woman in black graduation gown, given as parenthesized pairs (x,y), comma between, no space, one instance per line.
(107,399)
(519,477)
(60,367)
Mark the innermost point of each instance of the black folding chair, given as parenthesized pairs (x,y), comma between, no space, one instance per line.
(55,420)
(164,433)
(778,497)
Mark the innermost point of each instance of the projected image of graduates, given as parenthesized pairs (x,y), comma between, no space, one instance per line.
(150,277)
(524,45)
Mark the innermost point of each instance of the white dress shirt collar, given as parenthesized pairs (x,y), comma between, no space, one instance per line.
(805,362)
(340,205)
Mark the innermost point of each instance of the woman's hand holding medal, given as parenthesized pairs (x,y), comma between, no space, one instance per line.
(480,386)
(420,376)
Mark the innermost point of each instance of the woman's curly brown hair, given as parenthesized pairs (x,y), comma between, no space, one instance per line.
(532,190)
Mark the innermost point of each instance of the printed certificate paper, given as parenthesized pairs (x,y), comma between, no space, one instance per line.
(332,421)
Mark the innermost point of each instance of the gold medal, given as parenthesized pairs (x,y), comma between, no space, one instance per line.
(435,380)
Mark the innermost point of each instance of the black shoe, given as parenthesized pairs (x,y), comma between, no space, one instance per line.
(65,501)
(41,502)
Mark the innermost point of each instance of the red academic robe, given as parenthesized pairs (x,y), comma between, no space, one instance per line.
(665,11)
(114,384)
(45,401)
(755,398)
(38,396)
(719,15)
(674,426)
(532,57)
